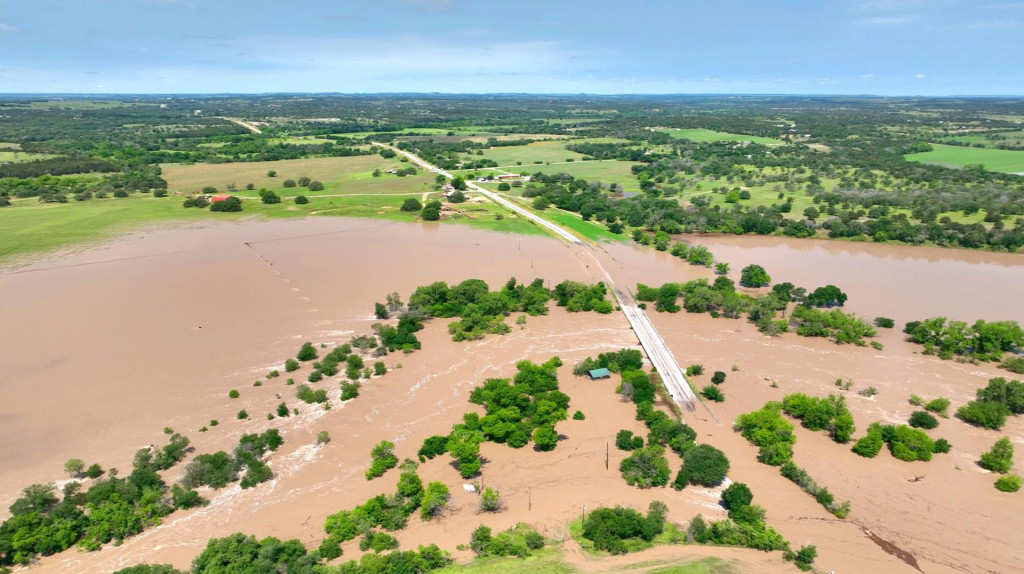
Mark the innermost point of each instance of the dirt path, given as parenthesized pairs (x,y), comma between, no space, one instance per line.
(249,126)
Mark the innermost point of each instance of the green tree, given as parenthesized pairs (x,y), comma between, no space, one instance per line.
(291,365)
(999,458)
(270,198)
(1009,483)
(431,211)
(411,204)
(545,437)
(490,500)
(74,467)
(736,495)
(289,183)
(646,467)
(306,353)
(754,276)
(435,498)
(315,186)
(301,199)
(705,465)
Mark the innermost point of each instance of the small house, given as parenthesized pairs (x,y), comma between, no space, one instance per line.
(596,374)
(217,198)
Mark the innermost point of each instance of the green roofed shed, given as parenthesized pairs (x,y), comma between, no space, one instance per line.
(599,374)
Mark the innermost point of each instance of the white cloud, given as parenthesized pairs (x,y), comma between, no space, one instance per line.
(867,76)
(7,28)
(920,76)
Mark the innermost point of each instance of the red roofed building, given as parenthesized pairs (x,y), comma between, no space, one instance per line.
(216,198)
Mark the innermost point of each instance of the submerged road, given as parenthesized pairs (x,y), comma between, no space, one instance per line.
(657,351)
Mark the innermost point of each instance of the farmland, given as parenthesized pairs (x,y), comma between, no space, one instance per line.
(1006,161)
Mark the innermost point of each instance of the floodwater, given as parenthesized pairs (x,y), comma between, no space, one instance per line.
(105,347)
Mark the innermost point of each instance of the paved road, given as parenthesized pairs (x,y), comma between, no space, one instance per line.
(657,351)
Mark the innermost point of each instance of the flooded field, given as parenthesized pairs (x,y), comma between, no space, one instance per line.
(107,346)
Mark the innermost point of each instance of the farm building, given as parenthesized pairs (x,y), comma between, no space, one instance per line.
(221,197)
(596,374)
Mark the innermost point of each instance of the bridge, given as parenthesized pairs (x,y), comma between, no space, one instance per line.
(651,341)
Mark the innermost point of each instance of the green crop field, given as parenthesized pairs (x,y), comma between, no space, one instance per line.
(702,135)
(1005,161)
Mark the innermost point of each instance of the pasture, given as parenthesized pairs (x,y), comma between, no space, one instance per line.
(1005,161)
(705,136)
(348,174)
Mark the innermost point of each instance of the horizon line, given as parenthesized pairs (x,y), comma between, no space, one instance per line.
(519,94)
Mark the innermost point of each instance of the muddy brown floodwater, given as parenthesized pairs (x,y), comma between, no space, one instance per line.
(103,348)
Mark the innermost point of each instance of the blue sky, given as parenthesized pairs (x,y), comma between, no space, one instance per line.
(886,47)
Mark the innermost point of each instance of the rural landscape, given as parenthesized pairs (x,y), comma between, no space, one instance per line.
(581,335)
(462,287)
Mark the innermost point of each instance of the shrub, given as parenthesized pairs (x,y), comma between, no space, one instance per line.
(94,471)
(938,406)
(289,183)
(545,437)
(578,416)
(490,500)
(382,458)
(349,391)
(942,446)
(705,465)
(646,467)
(431,211)
(718,378)
(754,276)
(624,440)
(884,322)
(999,458)
(270,198)
(712,393)
(695,370)
(301,199)
(1009,483)
(736,495)
(316,186)
(307,352)
(242,415)
(273,374)
(987,414)
(923,420)
(869,445)
(916,400)
(291,365)
(315,376)
(323,437)
(1013,364)
(435,498)
(411,204)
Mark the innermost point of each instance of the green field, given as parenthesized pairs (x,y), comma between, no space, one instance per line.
(548,561)
(606,171)
(587,229)
(527,155)
(703,136)
(9,156)
(1005,161)
(338,174)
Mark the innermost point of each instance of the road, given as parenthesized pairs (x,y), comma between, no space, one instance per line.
(657,351)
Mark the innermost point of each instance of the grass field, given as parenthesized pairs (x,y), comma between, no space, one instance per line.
(991,139)
(606,171)
(28,226)
(703,136)
(548,151)
(10,156)
(1005,161)
(548,561)
(338,174)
